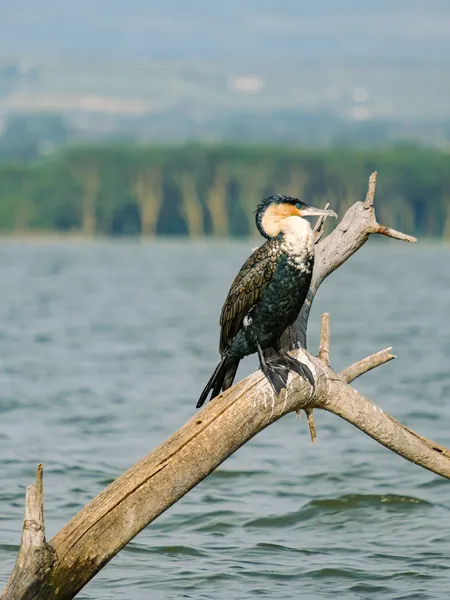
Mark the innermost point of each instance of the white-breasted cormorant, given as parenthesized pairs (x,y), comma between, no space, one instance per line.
(267,295)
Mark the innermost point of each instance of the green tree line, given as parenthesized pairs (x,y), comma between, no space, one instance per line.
(201,190)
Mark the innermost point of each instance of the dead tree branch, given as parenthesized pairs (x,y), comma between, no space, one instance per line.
(324,344)
(36,558)
(348,404)
(366,364)
(58,570)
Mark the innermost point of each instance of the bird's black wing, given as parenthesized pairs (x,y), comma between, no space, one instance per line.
(246,290)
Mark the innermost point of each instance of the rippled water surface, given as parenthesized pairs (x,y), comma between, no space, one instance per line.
(104,349)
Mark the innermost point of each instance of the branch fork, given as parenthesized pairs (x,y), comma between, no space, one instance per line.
(59,569)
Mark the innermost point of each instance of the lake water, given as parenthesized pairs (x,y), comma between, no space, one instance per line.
(104,349)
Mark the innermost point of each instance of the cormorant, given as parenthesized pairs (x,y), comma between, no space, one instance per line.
(267,295)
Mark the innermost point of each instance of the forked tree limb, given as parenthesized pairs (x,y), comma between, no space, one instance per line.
(99,531)
(353,231)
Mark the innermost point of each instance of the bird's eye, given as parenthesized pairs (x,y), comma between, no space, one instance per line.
(298,205)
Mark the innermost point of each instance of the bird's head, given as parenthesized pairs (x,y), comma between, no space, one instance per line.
(272,211)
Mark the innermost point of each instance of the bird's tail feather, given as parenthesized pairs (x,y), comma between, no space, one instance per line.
(221,379)
(230,374)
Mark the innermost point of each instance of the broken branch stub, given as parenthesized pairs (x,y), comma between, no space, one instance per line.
(58,570)
(36,558)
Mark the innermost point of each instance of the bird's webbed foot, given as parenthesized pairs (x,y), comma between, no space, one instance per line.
(283,359)
(275,372)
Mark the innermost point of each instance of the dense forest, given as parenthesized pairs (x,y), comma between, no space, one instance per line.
(201,190)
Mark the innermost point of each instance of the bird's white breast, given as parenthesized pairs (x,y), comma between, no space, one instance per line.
(298,242)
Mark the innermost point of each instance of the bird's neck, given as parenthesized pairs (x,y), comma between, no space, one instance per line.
(296,237)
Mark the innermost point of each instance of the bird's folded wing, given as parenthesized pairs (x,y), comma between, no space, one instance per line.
(246,290)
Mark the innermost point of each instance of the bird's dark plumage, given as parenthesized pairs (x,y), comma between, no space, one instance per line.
(246,290)
(267,295)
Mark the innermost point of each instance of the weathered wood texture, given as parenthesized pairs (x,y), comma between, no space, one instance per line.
(36,558)
(60,569)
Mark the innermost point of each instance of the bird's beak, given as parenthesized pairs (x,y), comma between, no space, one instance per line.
(310,211)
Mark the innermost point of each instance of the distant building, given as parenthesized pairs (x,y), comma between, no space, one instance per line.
(246,83)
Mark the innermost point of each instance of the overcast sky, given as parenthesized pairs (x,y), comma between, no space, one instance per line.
(231,29)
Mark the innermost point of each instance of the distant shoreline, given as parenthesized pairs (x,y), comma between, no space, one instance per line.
(50,236)
(79,238)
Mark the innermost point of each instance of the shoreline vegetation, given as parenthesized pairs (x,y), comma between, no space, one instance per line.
(98,192)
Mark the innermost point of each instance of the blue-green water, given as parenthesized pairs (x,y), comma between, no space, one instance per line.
(104,349)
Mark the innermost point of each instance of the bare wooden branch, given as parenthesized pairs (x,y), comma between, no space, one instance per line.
(397,235)
(324,355)
(116,515)
(60,569)
(348,404)
(371,189)
(33,526)
(324,344)
(366,364)
(311,424)
(36,558)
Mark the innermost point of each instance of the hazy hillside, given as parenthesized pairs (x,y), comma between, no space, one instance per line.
(251,29)
(314,72)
